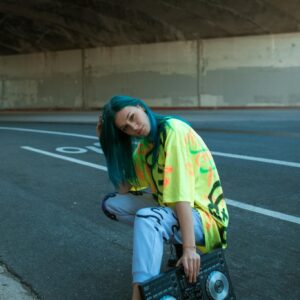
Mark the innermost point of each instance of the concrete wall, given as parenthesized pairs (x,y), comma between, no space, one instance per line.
(42,80)
(242,71)
(251,71)
(165,73)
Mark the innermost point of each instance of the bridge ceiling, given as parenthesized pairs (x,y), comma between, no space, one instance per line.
(46,25)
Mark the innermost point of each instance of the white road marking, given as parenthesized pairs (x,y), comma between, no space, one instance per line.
(95,149)
(245,157)
(74,160)
(259,159)
(71,150)
(252,208)
(51,132)
(264,211)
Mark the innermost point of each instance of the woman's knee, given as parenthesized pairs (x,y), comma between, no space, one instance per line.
(149,216)
(152,220)
(107,206)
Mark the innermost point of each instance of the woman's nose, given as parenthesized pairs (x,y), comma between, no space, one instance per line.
(134,126)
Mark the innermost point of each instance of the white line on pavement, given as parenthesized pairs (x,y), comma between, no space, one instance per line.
(74,160)
(95,149)
(263,211)
(51,132)
(252,208)
(259,159)
(245,157)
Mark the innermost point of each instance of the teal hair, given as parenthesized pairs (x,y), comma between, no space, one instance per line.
(118,147)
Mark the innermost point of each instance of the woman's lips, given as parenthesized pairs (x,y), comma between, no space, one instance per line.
(139,132)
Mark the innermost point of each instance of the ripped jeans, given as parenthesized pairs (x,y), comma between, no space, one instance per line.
(152,225)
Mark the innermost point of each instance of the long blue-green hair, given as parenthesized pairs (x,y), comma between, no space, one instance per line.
(118,147)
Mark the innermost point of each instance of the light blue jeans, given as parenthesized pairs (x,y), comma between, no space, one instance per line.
(152,225)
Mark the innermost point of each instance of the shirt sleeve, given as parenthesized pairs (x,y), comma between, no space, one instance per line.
(179,172)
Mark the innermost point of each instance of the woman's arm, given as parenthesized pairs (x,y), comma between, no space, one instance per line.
(124,188)
(190,258)
(99,126)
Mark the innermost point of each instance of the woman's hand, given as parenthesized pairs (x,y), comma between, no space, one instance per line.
(99,126)
(190,258)
(191,263)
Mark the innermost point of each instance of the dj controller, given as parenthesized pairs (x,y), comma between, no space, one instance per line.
(213,282)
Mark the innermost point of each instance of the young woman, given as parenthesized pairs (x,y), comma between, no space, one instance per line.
(167,185)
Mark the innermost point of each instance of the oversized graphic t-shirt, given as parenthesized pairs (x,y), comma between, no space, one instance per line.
(185,171)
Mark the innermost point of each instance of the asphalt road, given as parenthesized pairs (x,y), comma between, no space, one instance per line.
(54,236)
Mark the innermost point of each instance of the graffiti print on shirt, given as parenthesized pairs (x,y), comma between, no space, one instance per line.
(213,206)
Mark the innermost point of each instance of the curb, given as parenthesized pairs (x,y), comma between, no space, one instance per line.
(11,288)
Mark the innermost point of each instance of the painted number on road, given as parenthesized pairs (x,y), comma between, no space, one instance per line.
(78,150)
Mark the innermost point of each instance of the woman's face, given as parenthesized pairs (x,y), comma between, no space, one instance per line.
(133,121)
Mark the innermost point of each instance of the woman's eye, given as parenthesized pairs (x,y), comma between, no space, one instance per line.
(131,117)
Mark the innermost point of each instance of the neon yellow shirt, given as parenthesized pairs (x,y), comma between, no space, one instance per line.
(185,171)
